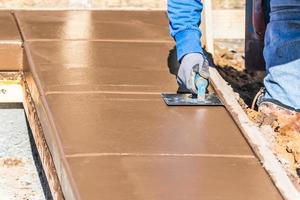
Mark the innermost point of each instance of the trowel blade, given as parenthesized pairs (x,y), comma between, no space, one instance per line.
(189,100)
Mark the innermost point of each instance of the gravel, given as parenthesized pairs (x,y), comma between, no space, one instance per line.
(21,174)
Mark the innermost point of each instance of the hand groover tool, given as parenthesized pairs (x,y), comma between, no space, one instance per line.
(202,98)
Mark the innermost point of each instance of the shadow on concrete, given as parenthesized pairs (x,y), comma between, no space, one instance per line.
(11,106)
(38,165)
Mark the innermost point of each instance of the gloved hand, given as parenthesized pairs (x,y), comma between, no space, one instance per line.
(192,64)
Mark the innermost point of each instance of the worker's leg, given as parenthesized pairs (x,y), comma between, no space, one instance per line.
(282,53)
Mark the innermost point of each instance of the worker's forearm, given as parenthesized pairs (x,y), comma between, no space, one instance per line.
(185,18)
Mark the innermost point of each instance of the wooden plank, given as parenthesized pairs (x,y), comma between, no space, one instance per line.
(221,24)
(207,26)
(41,144)
(228,24)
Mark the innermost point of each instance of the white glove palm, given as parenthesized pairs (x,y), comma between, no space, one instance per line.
(192,64)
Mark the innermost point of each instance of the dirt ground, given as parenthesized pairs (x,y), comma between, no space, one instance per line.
(229,59)
(283,134)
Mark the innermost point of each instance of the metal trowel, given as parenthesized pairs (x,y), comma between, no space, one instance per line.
(202,98)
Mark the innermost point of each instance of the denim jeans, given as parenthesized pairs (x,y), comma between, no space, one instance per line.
(282,53)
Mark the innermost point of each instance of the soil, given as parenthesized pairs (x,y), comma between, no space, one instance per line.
(11,162)
(13,77)
(283,137)
(282,134)
(229,60)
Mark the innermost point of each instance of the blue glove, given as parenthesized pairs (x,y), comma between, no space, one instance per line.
(191,65)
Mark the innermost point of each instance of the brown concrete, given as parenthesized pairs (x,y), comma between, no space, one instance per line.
(9,30)
(86,25)
(176,178)
(102,66)
(11,52)
(111,135)
(141,124)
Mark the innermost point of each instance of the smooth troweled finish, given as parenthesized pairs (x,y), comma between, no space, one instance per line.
(98,25)
(102,66)
(11,52)
(142,124)
(96,79)
(171,177)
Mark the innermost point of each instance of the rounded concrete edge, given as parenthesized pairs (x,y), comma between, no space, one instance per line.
(254,137)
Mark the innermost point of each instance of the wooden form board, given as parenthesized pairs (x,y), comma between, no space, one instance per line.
(206,27)
(228,24)
(221,24)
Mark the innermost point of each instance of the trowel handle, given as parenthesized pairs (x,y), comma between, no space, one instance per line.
(201,85)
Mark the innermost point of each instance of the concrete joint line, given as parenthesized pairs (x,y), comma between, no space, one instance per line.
(161,154)
(11,42)
(101,92)
(107,40)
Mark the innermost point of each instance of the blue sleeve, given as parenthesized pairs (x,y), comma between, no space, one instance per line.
(184,21)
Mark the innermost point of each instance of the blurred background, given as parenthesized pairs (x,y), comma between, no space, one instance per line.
(146,4)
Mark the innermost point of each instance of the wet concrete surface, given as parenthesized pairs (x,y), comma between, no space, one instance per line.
(108,130)
(102,66)
(11,52)
(9,31)
(98,25)
(143,125)
(171,177)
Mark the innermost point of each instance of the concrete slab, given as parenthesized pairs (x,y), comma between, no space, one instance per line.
(9,31)
(94,25)
(111,134)
(142,124)
(175,178)
(11,52)
(102,66)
